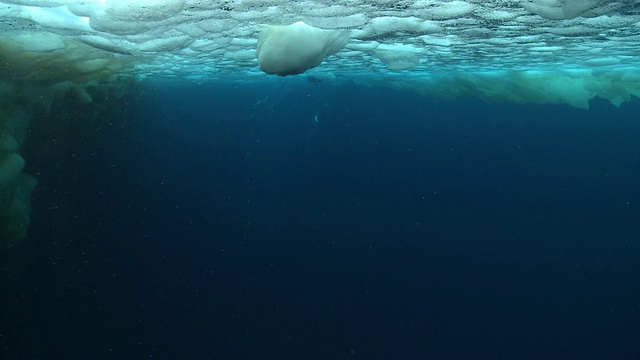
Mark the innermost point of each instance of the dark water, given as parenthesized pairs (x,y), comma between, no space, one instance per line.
(225,222)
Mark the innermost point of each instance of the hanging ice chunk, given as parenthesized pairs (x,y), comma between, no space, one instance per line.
(296,48)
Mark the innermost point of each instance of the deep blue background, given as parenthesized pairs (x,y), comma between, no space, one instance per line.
(225,222)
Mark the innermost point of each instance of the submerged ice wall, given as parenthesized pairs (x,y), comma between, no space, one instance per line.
(15,186)
(36,68)
(541,51)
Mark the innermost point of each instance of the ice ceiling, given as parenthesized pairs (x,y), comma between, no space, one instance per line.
(562,51)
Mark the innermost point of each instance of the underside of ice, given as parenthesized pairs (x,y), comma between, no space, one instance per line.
(546,51)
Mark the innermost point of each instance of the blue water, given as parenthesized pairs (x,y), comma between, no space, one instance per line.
(291,220)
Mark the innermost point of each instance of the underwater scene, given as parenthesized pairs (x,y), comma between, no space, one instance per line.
(320,179)
(294,220)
